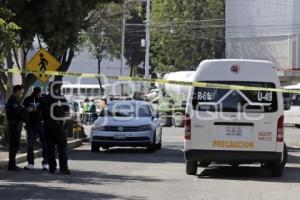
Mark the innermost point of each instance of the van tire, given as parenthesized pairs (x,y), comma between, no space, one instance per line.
(204,163)
(191,167)
(277,170)
(285,155)
(297,125)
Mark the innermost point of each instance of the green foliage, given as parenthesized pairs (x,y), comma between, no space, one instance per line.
(184,34)
(7,30)
(104,34)
(58,23)
(134,53)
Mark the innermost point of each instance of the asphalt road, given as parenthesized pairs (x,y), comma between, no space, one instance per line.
(135,174)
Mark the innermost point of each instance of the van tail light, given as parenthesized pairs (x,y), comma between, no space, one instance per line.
(187,127)
(280,129)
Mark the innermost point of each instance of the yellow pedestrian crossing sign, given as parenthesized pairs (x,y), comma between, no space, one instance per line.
(43,61)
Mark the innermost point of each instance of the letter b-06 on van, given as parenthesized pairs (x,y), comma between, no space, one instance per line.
(235,126)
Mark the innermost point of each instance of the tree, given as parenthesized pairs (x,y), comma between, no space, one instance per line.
(8,31)
(104,36)
(185,32)
(57,23)
(135,32)
(105,33)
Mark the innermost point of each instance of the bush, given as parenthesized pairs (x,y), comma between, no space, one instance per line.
(2,124)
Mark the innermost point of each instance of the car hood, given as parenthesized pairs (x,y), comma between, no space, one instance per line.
(121,121)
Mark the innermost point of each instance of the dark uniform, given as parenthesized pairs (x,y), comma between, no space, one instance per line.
(35,127)
(53,113)
(15,114)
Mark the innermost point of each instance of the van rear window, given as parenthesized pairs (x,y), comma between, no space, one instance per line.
(222,100)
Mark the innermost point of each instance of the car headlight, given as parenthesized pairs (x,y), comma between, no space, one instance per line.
(98,128)
(144,128)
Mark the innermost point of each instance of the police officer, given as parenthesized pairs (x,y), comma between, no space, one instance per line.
(35,127)
(15,114)
(54,108)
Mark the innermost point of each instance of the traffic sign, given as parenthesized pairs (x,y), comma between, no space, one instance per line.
(43,61)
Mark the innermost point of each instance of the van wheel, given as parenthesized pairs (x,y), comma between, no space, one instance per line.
(204,163)
(285,155)
(297,125)
(191,167)
(277,170)
(177,119)
(94,148)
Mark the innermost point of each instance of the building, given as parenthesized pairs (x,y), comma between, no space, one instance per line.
(267,30)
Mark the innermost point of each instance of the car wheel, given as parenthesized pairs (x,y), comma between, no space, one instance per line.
(158,146)
(94,148)
(151,148)
(297,125)
(191,167)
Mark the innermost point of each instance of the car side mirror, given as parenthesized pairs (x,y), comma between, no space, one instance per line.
(155,116)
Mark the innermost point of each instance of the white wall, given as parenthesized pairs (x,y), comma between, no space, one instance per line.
(263,29)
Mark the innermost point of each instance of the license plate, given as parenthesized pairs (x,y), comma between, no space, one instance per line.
(120,136)
(233,131)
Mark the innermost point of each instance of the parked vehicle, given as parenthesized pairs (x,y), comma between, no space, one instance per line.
(235,126)
(292,103)
(127,123)
(172,98)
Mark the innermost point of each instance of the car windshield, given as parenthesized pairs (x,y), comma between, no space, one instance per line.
(223,100)
(126,110)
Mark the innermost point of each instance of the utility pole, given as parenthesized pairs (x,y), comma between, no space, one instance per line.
(147,54)
(123,44)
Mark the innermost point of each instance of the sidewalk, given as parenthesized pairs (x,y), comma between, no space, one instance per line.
(22,156)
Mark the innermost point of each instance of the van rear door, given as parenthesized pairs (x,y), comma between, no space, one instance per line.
(242,120)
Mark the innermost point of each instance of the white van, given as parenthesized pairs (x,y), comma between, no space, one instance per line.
(235,126)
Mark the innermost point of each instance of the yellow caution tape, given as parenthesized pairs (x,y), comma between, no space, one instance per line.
(149,80)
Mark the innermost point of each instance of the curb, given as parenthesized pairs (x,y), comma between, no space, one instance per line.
(38,153)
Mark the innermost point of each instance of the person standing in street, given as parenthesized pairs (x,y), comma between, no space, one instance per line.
(35,126)
(92,106)
(86,105)
(54,108)
(15,114)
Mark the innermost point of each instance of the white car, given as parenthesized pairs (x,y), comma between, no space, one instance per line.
(235,126)
(127,123)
